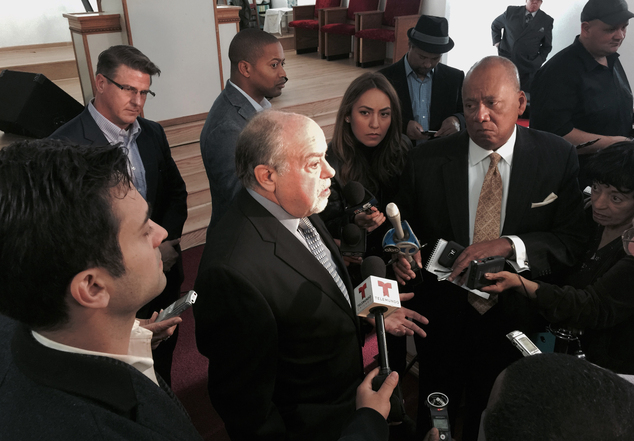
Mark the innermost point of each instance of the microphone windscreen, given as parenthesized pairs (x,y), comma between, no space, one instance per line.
(354,193)
(392,210)
(372,266)
(351,234)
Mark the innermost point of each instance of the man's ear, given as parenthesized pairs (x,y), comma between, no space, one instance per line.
(89,288)
(523,101)
(100,83)
(266,177)
(244,67)
(585,28)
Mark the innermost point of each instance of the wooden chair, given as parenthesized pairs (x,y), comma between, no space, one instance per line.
(306,24)
(338,27)
(375,29)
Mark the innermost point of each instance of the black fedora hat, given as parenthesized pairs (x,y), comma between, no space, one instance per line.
(431,34)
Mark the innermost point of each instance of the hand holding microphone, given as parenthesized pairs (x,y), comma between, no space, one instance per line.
(361,204)
(401,240)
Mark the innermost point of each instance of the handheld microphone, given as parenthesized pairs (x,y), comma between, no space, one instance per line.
(400,239)
(378,297)
(353,241)
(358,198)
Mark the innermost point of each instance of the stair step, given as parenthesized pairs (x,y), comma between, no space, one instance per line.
(55,61)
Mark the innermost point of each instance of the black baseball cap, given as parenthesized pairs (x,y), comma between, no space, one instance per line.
(612,12)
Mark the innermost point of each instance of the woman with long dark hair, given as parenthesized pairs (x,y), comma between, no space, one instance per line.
(367,147)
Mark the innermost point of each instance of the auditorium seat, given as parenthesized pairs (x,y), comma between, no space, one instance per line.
(375,29)
(306,25)
(338,27)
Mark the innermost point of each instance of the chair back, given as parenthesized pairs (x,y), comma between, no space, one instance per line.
(397,8)
(321,4)
(361,6)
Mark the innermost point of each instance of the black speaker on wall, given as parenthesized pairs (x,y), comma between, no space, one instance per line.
(32,105)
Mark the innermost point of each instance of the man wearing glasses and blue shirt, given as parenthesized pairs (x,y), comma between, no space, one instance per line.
(122,85)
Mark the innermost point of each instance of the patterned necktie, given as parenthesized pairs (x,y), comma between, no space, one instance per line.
(528,18)
(317,247)
(487,221)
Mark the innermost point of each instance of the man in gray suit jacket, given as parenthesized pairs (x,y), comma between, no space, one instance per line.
(527,38)
(257,72)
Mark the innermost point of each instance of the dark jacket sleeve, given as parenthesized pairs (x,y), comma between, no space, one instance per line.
(605,303)
(366,425)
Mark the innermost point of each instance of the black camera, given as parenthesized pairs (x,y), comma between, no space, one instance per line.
(439,415)
(478,268)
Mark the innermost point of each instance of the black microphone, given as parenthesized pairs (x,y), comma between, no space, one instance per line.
(358,198)
(378,297)
(353,241)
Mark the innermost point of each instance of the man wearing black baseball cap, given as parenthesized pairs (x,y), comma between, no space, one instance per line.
(582,93)
(429,91)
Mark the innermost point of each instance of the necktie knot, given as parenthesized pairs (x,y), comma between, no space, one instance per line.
(528,18)
(494,158)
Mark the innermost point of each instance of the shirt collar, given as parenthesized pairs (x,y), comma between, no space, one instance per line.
(589,61)
(139,353)
(111,131)
(409,71)
(265,104)
(477,153)
(289,221)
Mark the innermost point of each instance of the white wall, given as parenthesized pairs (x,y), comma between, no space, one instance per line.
(25,22)
(470,28)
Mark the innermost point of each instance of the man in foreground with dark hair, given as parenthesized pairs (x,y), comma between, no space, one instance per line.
(80,255)
(559,397)
(122,86)
(257,73)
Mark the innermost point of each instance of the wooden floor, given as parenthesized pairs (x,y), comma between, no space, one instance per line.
(314,89)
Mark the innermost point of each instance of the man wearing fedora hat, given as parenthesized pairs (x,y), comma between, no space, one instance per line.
(429,91)
(582,92)
(527,38)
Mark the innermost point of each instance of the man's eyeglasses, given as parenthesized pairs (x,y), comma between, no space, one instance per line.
(132,91)
(627,237)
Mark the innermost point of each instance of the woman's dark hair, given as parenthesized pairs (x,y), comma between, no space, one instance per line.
(391,153)
(56,220)
(614,165)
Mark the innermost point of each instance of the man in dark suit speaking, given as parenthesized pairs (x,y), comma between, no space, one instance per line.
(275,312)
(527,38)
(428,90)
(122,85)
(499,190)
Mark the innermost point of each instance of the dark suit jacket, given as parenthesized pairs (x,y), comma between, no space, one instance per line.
(228,116)
(435,199)
(166,192)
(55,395)
(527,46)
(283,343)
(446,93)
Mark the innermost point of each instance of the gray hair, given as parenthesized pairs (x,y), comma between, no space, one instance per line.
(263,142)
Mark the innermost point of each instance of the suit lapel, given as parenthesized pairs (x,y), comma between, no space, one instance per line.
(148,153)
(525,162)
(91,131)
(294,254)
(244,107)
(455,176)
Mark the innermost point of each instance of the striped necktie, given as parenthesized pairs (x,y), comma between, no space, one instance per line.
(317,247)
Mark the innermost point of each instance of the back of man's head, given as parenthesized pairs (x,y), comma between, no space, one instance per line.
(115,56)
(247,46)
(56,220)
(559,397)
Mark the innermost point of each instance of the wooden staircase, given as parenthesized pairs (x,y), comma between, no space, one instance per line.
(315,89)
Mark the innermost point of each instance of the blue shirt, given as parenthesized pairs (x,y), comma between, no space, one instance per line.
(420,94)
